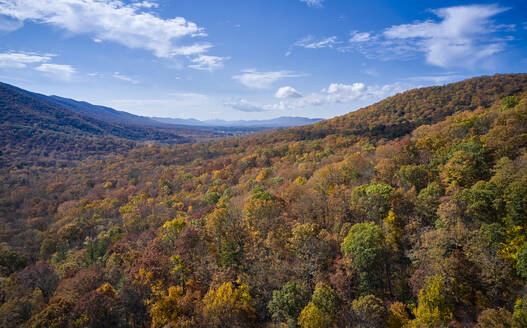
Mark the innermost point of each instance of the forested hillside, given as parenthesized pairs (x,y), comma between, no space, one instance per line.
(409,213)
(48,131)
(101,112)
(402,113)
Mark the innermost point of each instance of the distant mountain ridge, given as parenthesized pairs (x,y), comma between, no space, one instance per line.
(283,121)
(109,114)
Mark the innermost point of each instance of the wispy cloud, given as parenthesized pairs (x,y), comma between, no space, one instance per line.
(95,75)
(132,25)
(125,78)
(439,78)
(21,60)
(313,3)
(311,42)
(36,61)
(145,4)
(371,72)
(208,63)
(262,80)
(463,36)
(189,97)
(194,49)
(357,36)
(61,71)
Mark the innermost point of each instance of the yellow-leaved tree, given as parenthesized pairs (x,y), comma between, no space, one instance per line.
(433,309)
(229,305)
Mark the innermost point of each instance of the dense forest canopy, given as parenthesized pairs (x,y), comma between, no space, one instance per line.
(411,212)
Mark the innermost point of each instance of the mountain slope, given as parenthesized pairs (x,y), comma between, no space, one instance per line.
(102,113)
(32,127)
(400,114)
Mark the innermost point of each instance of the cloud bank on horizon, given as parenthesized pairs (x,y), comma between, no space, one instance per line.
(245,59)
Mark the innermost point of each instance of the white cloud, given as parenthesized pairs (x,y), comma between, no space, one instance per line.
(360,36)
(339,93)
(208,63)
(38,62)
(335,88)
(354,95)
(194,49)
(21,60)
(287,92)
(463,36)
(61,71)
(261,80)
(310,42)
(131,25)
(313,3)
(125,78)
(145,4)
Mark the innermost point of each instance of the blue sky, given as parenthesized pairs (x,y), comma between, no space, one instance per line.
(253,59)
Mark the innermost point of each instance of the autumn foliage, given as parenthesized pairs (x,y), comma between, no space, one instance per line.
(409,213)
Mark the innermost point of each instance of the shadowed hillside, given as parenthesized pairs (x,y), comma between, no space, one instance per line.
(35,129)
